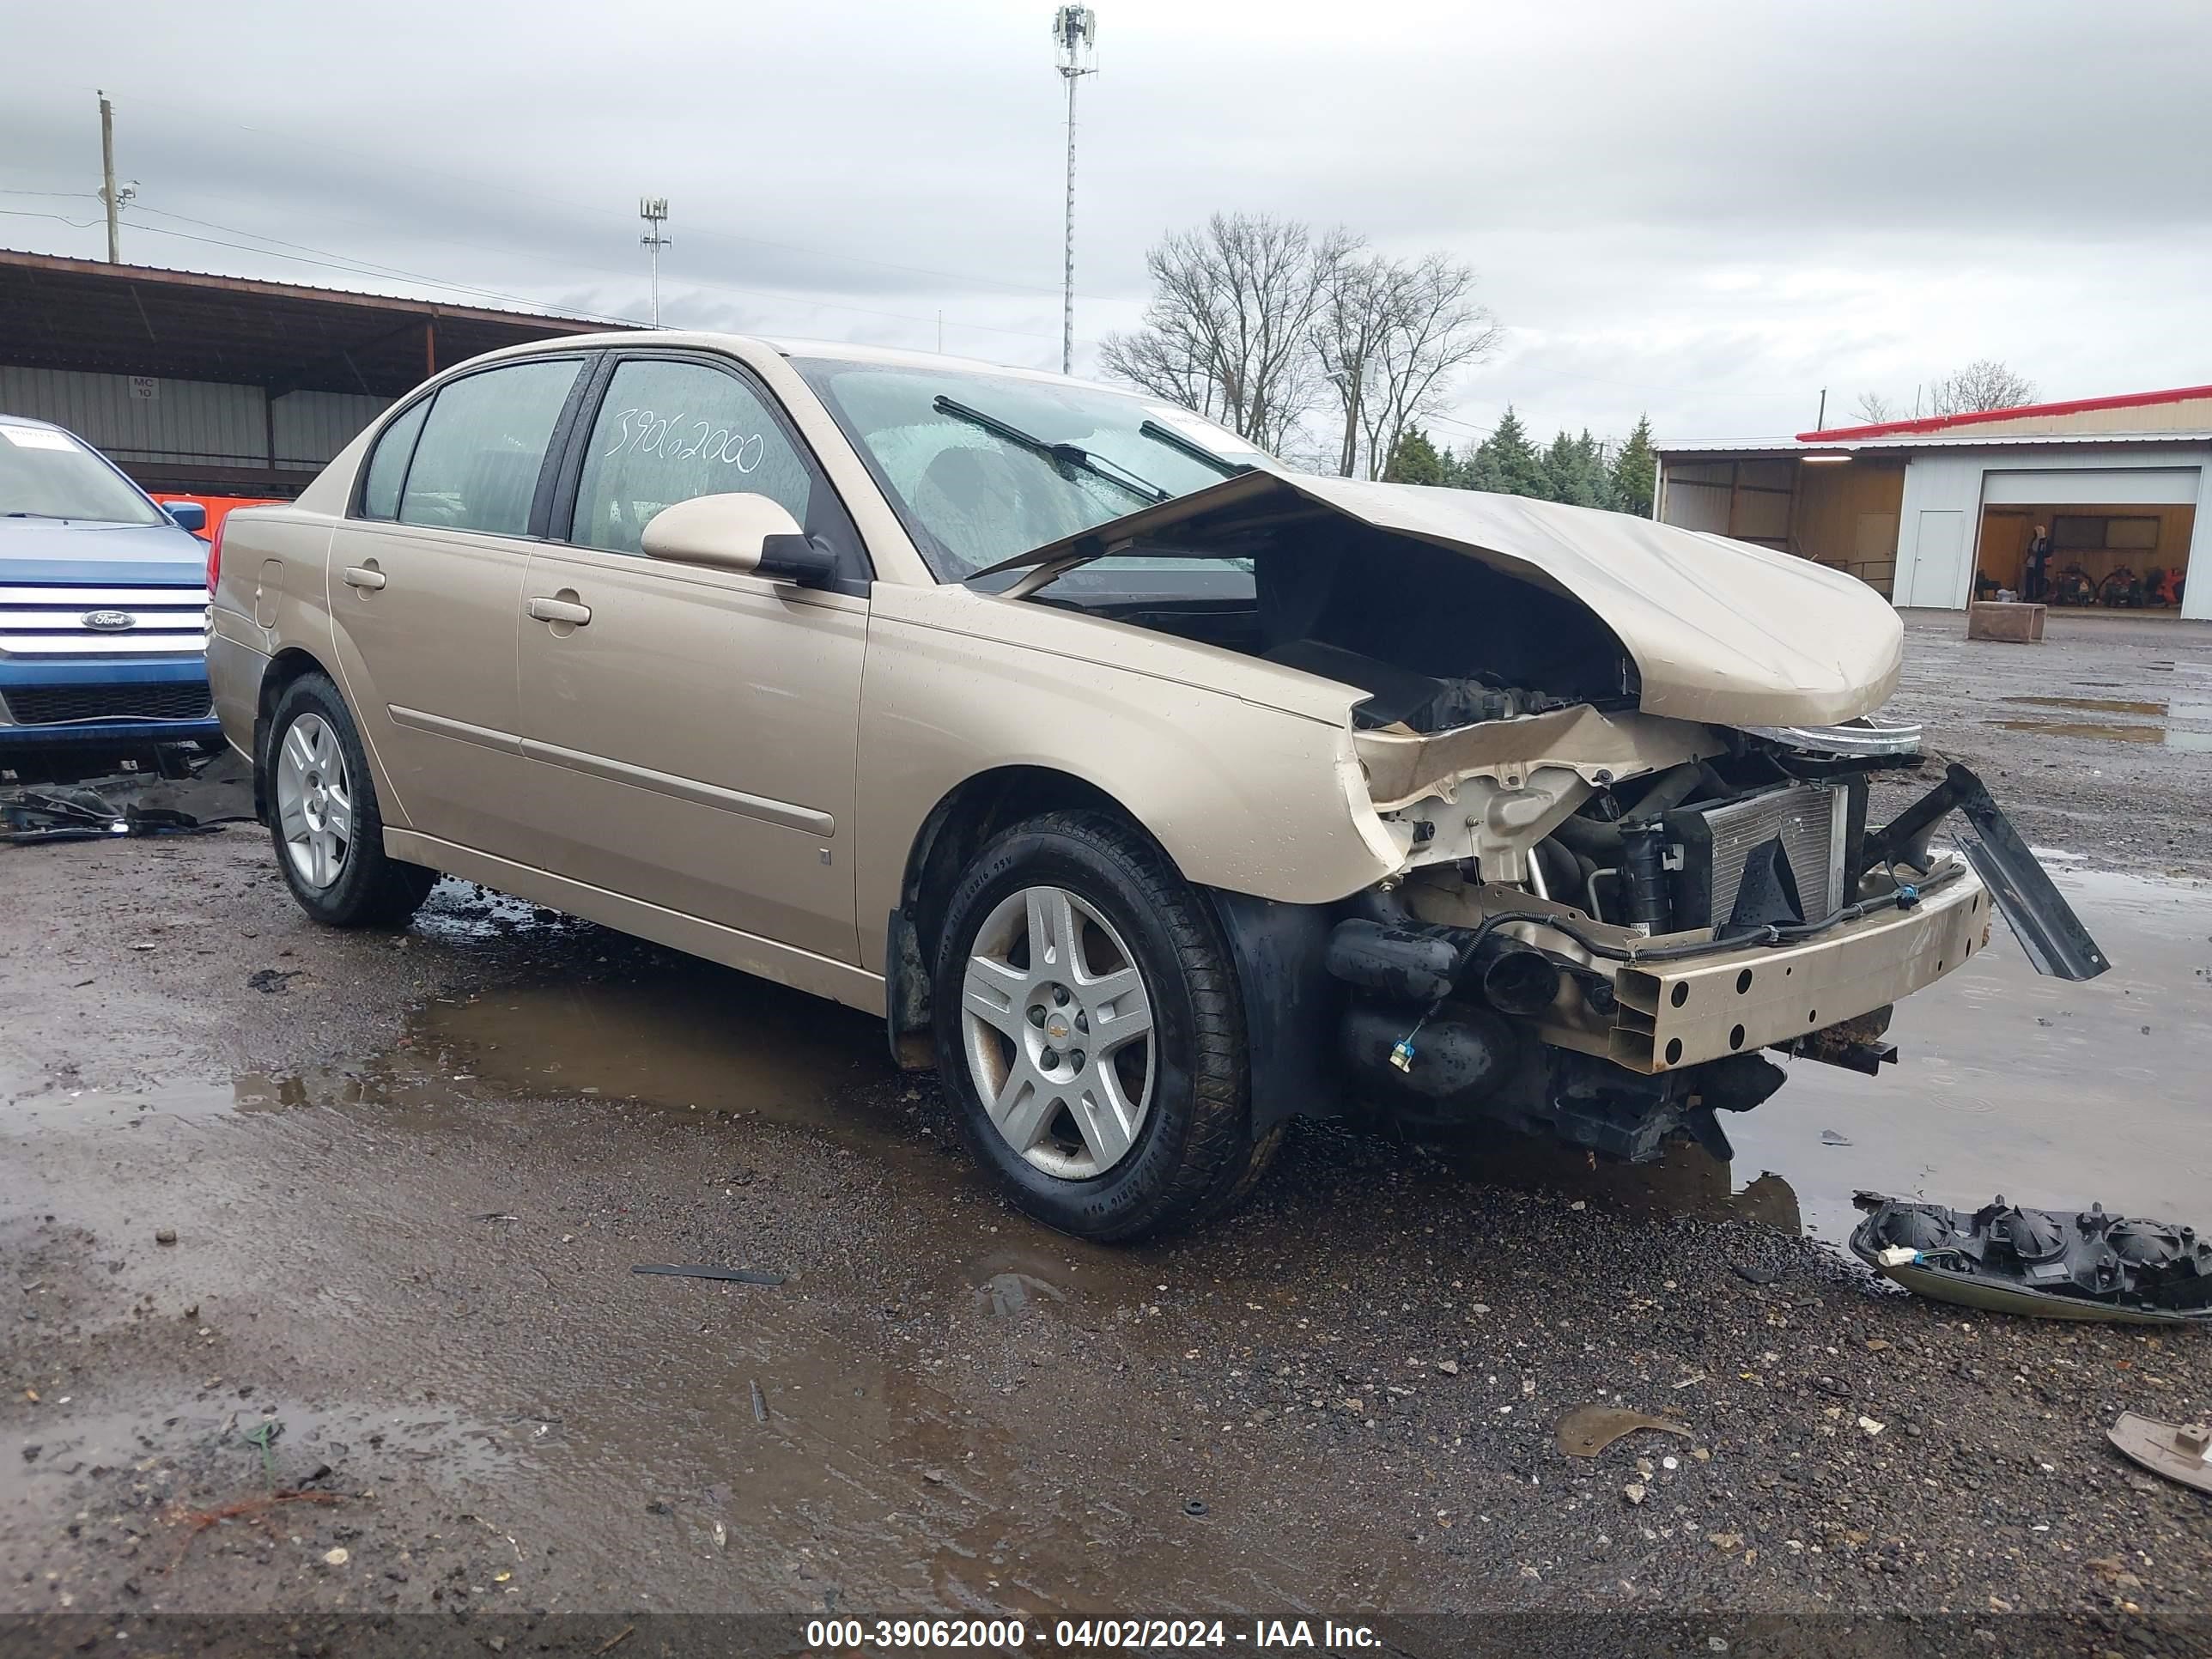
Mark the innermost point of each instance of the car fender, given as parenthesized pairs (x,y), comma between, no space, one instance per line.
(1244,797)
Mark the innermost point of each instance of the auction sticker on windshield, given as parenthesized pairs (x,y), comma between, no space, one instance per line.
(1219,439)
(36,437)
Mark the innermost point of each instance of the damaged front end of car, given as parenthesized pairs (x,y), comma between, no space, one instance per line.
(1618,777)
(1608,947)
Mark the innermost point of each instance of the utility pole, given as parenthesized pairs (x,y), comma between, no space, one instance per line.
(654,209)
(1074,33)
(107,195)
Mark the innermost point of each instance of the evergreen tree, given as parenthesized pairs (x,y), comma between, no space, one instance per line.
(1636,471)
(1575,469)
(1415,461)
(1507,463)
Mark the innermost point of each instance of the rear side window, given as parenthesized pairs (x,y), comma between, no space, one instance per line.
(669,431)
(387,467)
(477,463)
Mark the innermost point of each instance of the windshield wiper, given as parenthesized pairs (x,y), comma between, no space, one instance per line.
(1197,452)
(1068,454)
(59,517)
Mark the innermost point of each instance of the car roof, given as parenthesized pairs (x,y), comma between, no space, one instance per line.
(832,350)
(6,419)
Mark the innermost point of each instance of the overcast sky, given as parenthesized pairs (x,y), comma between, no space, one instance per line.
(1710,212)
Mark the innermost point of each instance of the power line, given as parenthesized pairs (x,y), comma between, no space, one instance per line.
(579,265)
(733,238)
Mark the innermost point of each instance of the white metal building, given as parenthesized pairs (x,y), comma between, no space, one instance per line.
(1933,511)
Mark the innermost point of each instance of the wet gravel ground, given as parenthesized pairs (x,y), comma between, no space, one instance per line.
(2099,739)
(408,1176)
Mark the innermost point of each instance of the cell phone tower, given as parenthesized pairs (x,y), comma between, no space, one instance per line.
(1074,39)
(654,209)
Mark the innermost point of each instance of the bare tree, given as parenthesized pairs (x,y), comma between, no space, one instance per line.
(1389,334)
(1983,384)
(1171,362)
(1436,328)
(1358,310)
(1872,409)
(1227,333)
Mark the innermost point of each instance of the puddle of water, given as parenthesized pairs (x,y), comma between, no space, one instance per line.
(2049,1092)
(696,1037)
(2194,742)
(2094,705)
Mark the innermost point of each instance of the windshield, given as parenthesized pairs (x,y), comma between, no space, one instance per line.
(980,466)
(45,474)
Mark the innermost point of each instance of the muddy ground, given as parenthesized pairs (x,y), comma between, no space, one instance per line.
(2099,739)
(408,1178)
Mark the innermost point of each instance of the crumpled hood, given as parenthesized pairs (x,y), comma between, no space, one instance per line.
(1721,631)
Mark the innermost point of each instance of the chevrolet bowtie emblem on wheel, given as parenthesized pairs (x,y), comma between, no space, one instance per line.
(109,622)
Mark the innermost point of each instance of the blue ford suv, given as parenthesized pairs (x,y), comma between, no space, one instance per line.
(103,611)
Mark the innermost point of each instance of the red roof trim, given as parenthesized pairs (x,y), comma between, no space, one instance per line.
(1944,422)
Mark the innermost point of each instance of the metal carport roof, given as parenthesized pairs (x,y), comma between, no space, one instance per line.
(85,314)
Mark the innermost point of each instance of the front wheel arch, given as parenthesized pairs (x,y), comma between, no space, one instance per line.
(951,836)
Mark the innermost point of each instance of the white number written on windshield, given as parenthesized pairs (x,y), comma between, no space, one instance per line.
(679,438)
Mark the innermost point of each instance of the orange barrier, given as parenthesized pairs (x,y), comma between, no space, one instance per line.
(218,506)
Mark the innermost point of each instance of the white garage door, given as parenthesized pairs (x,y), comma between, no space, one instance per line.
(2119,486)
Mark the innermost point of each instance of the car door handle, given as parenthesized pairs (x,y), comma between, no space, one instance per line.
(358,575)
(560,610)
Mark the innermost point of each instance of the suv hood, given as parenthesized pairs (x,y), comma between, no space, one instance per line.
(80,553)
(1721,631)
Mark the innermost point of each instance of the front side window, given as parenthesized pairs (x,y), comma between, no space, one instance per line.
(980,466)
(47,474)
(667,432)
(477,463)
(387,466)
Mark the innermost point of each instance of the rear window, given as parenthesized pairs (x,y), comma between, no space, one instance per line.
(47,474)
(387,467)
(482,445)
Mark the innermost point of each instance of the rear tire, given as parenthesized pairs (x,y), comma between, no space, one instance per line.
(1090,1031)
(324,818)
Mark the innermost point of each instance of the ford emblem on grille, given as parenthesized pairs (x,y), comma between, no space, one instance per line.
(109,622)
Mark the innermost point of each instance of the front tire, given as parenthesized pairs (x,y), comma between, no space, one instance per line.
(324,818)
(1090,1032)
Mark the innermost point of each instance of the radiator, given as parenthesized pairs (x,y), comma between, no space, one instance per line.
(1810,820)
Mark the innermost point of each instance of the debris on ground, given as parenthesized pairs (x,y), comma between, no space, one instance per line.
(2048,1263)
(197,1522)
(272,981)
(30,817)
(760,1405)
(735,1275)
(1589,1430)
(2182,1453)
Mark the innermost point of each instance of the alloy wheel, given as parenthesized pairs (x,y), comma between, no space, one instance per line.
(314,801)
(1057,1027)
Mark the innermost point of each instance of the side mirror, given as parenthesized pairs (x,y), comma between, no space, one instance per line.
(186,515)
(738,532)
